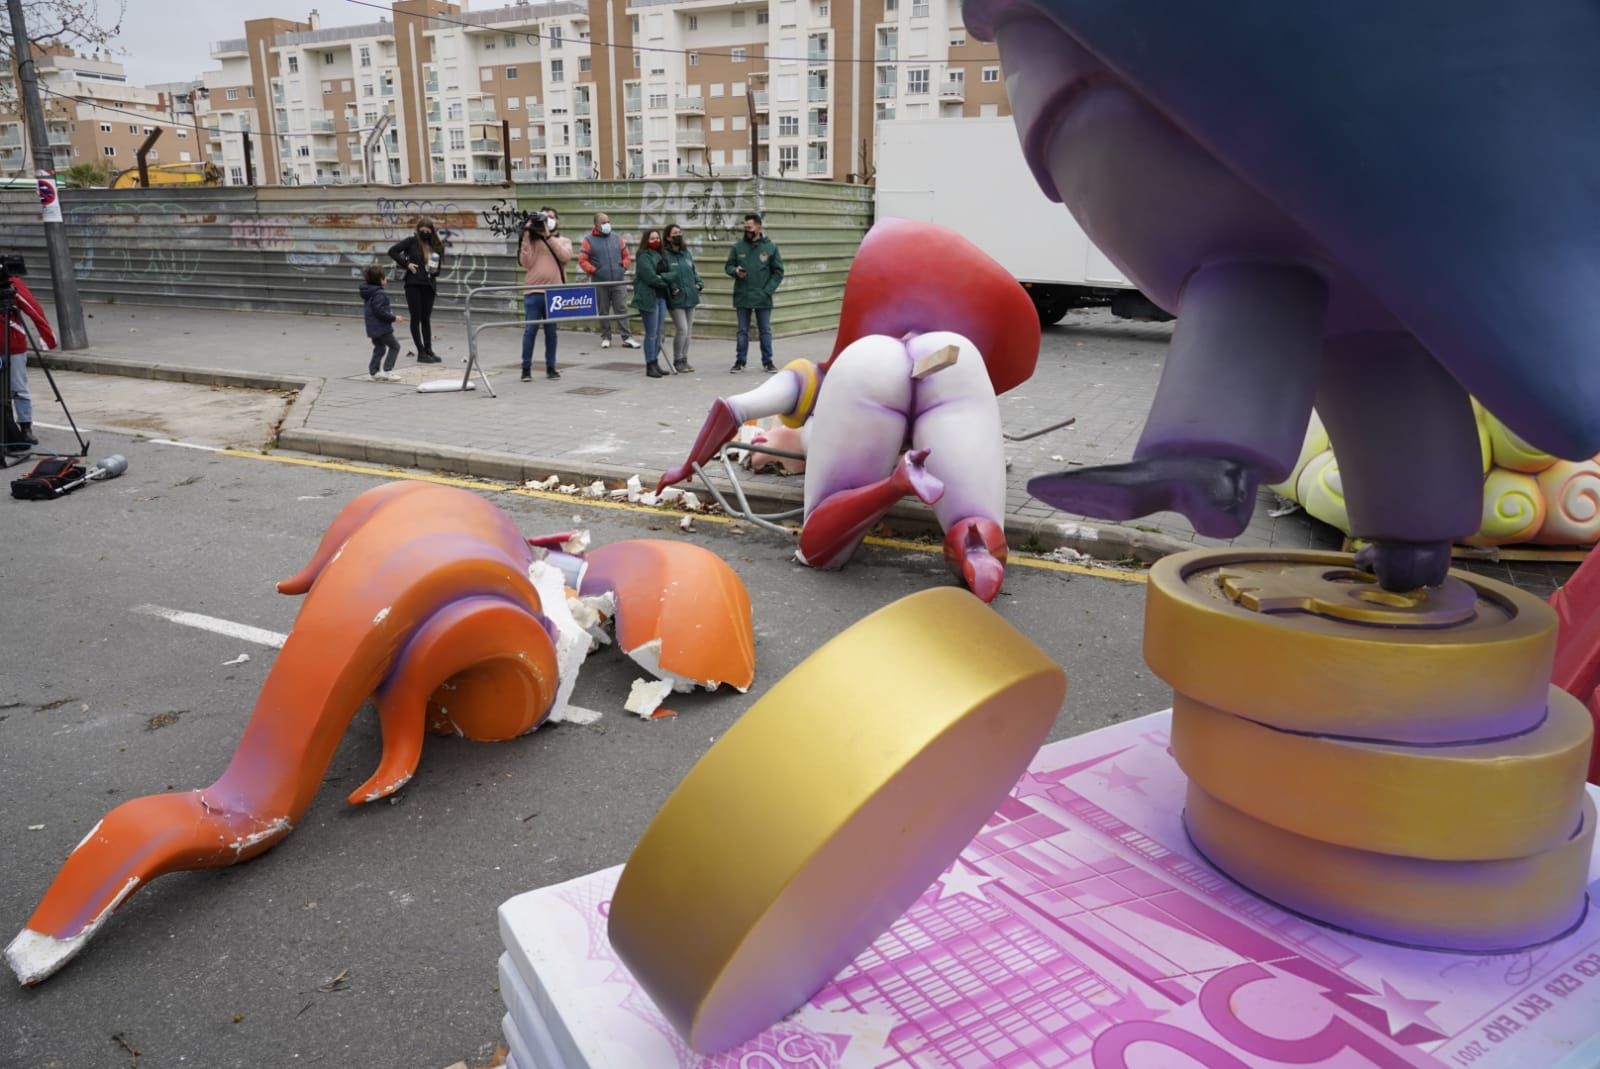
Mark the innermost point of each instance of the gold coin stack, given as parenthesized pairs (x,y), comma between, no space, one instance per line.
(1396,765)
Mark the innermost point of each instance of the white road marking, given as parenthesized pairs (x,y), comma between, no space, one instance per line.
(244,632)
(185,445)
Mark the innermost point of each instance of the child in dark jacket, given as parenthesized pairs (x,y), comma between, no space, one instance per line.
(380,319)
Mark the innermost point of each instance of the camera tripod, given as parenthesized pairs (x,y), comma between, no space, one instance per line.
(8,314)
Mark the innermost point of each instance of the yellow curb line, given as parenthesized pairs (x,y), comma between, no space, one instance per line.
(625,506)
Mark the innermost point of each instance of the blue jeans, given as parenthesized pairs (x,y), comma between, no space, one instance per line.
(654,320)
(21,399)
(763,325)
(533,310)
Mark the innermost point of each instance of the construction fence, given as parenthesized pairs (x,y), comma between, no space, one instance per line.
(302,249)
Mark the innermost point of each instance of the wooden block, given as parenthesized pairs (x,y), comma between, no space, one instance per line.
(935,362)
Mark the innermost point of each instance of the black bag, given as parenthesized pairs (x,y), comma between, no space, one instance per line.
(49,479)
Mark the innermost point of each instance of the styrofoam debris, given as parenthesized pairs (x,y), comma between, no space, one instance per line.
(671,494)
(646,696)
(595,489)
(635,488)
(1057,457)
(543,484)
(578,544)
(649,499)
(691,501)
(1067,555)
(687,523)
(648,657)
(241,659)
(567,488)
(572,640)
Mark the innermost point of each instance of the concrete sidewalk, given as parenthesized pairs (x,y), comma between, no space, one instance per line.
(604,419)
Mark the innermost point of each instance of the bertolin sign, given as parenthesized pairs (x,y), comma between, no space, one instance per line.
(576,303)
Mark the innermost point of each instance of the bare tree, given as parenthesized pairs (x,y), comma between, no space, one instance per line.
(82,25)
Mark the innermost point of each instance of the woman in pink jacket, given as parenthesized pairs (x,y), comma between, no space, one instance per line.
(544,258)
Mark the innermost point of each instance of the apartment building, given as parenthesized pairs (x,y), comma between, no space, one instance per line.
(93,115)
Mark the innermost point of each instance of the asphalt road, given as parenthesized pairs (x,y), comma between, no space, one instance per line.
(233,967)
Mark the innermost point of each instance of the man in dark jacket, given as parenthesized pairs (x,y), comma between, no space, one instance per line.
(380,320)
(604,258)
(757,271)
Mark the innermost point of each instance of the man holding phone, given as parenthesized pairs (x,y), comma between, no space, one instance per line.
(757,270)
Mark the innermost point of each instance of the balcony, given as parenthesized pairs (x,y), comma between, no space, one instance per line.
(819,129)
(583,139)
(956,91)
(763,131)
(480,113)
(431,85)
(635,137)
(580,106)
(816,55)
(325,153)
(488,176)
(59,135)
(213,133)
(535,111)
(691,105)
(436,146)
(536,144)
(885,114)
(817,92)
(12,138)
(887,55)
(632,103)
(885,91)
(691,138)
(322,126)
(816,167)
(233,47)
(277,94)
(760,97)
(387,89)
(433,112)
(438,172)
(486,147)
(531,174)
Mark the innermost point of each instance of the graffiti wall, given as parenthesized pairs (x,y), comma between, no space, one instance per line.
(302,249)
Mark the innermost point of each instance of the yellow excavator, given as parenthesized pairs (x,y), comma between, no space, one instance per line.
(171,174)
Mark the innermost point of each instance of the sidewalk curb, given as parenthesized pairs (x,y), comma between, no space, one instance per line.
(1102,541)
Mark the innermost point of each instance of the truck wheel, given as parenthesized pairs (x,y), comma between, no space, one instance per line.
(1052,303)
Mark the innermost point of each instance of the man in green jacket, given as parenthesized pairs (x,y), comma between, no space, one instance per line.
(757,271)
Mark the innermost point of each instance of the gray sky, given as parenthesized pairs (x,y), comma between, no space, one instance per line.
(170,40)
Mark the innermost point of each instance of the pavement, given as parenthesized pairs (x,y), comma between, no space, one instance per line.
(368,937)
(604,419)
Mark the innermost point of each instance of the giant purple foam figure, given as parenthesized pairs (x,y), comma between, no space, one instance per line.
(1377,207)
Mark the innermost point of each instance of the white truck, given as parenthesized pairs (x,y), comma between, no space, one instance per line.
(969,175)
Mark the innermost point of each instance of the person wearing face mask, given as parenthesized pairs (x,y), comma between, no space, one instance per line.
(683,296)
(604,257)
(653,279)
(757,270)
(543,258)
(421,256)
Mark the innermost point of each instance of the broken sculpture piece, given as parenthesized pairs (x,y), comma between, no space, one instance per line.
(906,405)
(430,600)
(1318,227)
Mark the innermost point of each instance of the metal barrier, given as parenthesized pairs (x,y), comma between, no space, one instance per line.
(475,328)
(769,520)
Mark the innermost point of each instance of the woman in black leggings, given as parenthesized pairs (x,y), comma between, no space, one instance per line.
(422,257)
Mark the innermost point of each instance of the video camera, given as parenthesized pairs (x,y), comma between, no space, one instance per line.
(11,265)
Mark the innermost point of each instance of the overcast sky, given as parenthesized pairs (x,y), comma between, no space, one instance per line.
(170,40)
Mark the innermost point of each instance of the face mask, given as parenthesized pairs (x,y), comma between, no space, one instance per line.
(605,228)
(551,223)
(655,243)
(677,241)
(425,235)
(750,236)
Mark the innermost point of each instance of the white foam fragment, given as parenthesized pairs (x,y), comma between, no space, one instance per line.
(241,659)
(572,641)
(686,524)
(635,488)
(646,696)
(648,657)
(648,499)
(595,489)
(545,484)
(567,488)
(671,494)
(691,501)
(578,544)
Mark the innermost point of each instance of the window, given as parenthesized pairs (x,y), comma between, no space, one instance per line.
(183,157)
(822,12)
(890,6)
(955,79)
(105,128)
(694,59)
(738,122)
(511,74)
(788,157)
(717,123)
(511,40)
(250,91)
(183,135)
(786,12)
(633,25)
(788,126)
(236,176)
(658,101)
(133,128)
(486,74)
(737,55)
(736,89)
(585,64)
(458,140)
(991,74)
(344,86)
(958,38)
(513,103)
(558,71)
(366,56)
(762,18)
(563,166)
(233,94)
(716,89)
(658,128)
(303,150)
(294,64)
(367,90)
(327,59)
(327,87)
(636,61)
(660,167)
(989,111)
(488,44)
(554,36)
(917,81)
(516,134)
(919,9)
(789,87)
(458,172)
(109,150)
(371,117)
(694,22)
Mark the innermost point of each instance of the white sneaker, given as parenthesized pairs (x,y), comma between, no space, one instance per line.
(388,376)
(630,343)
(605,343)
